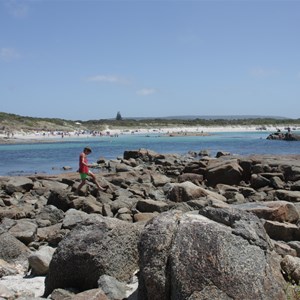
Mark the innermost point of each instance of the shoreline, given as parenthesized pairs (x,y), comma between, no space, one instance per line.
(47,137)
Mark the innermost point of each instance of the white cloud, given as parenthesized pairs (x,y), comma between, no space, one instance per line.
(260,72)
(145,92)
(8,54)
(17,8)
(108,79)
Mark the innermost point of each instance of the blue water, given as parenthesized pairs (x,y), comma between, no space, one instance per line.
(49,158)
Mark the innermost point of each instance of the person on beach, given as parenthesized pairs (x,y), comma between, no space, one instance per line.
(84,170)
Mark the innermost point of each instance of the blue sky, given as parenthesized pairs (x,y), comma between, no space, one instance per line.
(83,60)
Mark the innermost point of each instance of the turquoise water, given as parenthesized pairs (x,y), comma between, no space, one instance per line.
(49,158)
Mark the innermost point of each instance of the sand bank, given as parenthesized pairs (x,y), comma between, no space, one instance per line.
(43,136)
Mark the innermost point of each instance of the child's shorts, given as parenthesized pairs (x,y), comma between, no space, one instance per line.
(83,176)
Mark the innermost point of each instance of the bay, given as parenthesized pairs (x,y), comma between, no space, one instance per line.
(50,158)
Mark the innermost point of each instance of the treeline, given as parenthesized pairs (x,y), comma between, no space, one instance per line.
(195,122)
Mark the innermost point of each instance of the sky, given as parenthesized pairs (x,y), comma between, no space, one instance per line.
(90,59)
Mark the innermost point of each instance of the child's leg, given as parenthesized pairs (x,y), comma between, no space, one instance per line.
(83,180)
(81,184)
(96,182)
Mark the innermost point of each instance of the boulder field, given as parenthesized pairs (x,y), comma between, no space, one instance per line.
(169,227)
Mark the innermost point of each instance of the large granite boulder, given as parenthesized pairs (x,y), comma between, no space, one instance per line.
(185,191)
(223,255)
(95,247)
(18,184)
(228,172)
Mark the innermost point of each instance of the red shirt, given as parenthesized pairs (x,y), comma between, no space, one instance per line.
(83,168)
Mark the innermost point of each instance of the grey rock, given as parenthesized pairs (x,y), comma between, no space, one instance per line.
(113,289)
(149,205)
(18,184)
(39,260)
(49,215)
(292,196)
(182,192)
(83,255)
(25,230)
(229,172)
(182,255)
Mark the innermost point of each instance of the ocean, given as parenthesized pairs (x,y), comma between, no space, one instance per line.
(50,158)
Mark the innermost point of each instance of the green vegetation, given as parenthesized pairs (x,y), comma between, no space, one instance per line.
(16,122)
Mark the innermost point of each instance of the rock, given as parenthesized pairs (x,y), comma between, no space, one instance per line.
(195,167)
(123,202)
(282,231)
(150,206)
(92,294)
(61,294)
(222,153)
(6,293)
(112,288)
(16,212)
(234,197)
(83,256)
(87,204)
(149,184)
(197,179)
(106,211)
(39,261)
(284,249)
(291,172)
(143,154)
(67,168)
(18,184)
(159,179)
(143,217)
(50,234)
(25,231)
(182,192)
(204,152)
(220,172)
(29,288)
(258,181)
(182,255)
(292,196)
(7,269)
(60,199)
(295,186)
(281,211)
(49,215)
(53,185)
(277,183)
(284,137)
(13,251)
(73,217)
(291,267)
(295,245)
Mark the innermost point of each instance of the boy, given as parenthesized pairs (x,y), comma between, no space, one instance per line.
(84,170)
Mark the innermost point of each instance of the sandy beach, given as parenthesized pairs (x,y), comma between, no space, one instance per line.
(44,136)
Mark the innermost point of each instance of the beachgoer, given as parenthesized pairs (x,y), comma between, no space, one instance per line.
(84,170)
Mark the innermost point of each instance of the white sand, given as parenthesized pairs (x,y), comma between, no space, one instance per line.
(44,135)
